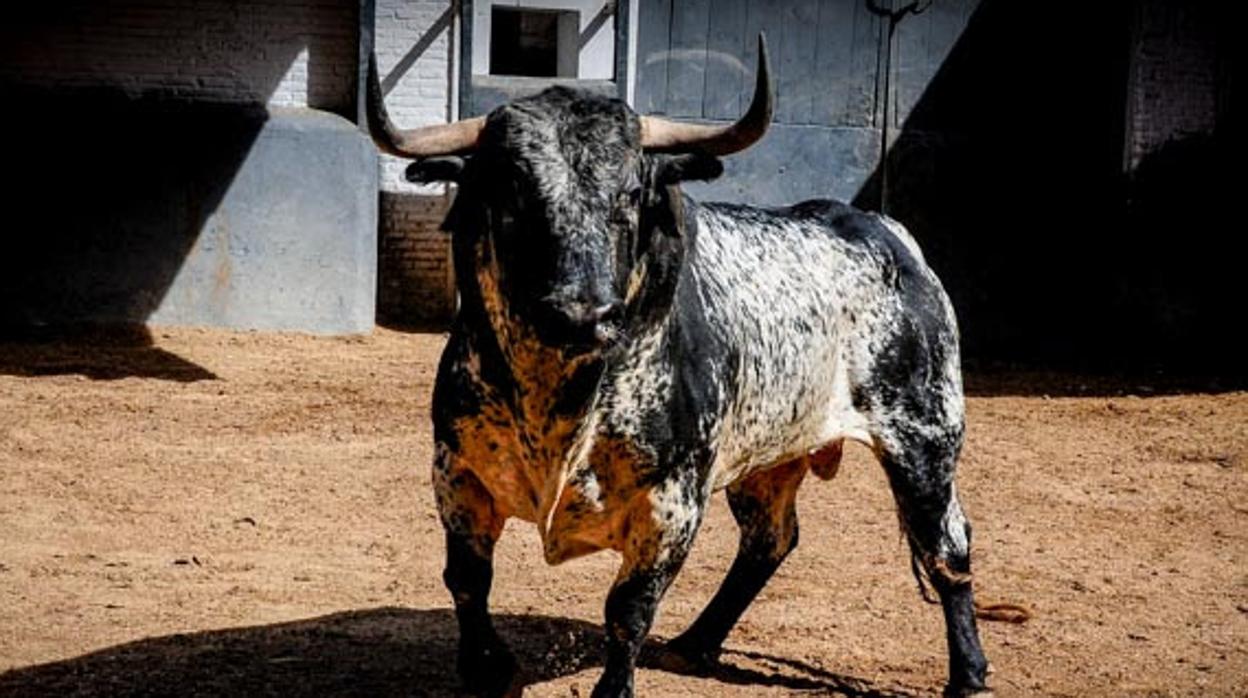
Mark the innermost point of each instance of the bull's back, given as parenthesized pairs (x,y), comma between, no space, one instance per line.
(806,299)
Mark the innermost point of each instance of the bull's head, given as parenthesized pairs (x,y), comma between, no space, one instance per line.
(568,216)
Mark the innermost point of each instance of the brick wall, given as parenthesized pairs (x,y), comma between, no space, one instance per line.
(415,286)
(1177,267)
(279,53)
(416,51)
(1173,83)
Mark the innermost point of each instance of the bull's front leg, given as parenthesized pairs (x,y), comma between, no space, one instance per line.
(473,525)
(660,533)
(764,505)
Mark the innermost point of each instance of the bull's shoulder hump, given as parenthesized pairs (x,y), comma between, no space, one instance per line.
(853,226)
(812,210)
(837,217)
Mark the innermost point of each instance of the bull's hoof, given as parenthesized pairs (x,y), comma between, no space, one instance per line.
(682,656)
(614,686)
(979,691)
(489,672)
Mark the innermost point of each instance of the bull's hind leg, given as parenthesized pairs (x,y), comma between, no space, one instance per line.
(765,509)
(920,462)
(473,525)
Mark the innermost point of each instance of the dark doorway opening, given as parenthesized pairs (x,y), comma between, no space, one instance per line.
(533,43)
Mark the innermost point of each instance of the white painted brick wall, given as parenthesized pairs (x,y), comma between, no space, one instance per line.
(290,53)
(416,59)
(418,84)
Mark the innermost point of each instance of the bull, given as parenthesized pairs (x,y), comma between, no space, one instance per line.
(621,352)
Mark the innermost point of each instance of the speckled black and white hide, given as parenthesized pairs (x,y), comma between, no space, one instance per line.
(622,352)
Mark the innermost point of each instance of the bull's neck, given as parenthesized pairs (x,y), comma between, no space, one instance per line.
(552,402)
(547,387)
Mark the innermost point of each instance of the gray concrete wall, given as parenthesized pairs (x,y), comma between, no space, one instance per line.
(697,60)
(292,245)
(175,166)
(190,215)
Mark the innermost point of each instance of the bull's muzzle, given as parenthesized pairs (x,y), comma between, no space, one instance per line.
(579,327)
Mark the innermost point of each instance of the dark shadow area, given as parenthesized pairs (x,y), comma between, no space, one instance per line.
(99,352)
(415,283)
(771,671)
(417,325)
(1027,380)
(376,652)
(110,205)
(126,124)
(1185,294)
(815,679)
(1009,171)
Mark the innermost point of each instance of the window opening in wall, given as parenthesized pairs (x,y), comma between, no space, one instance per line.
(534,42)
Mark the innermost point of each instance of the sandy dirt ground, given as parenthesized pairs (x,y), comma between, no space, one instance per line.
(242,514)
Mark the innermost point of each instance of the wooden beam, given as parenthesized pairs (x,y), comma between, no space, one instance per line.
(367,26)
(465,59)
(621,48)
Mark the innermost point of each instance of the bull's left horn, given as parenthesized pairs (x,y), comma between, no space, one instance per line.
(662,135)
(428,141)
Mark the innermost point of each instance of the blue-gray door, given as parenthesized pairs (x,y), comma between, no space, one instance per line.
(696,60)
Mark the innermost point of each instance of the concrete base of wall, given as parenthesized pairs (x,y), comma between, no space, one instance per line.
(133,212)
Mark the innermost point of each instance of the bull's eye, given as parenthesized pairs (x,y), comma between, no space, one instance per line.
(504,220)
(626,208)
(629,200)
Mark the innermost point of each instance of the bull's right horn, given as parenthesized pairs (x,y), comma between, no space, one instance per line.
(663,135)
(428,141)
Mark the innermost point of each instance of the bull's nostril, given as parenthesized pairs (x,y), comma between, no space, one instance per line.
(585,323)
(604,334)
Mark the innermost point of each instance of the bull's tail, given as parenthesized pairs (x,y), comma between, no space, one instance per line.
(998,612)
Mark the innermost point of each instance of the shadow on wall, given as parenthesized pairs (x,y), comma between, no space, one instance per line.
(415,282)
(131,122)
(1008,170)
(377,652)
(1185,293)
(113,195)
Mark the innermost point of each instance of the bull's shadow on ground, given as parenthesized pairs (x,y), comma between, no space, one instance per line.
(375,652)
(106,352)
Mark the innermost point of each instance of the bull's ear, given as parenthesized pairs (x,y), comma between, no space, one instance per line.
(671,169)
(439,169)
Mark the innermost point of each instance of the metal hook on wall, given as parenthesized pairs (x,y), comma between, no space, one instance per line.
(877,7)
